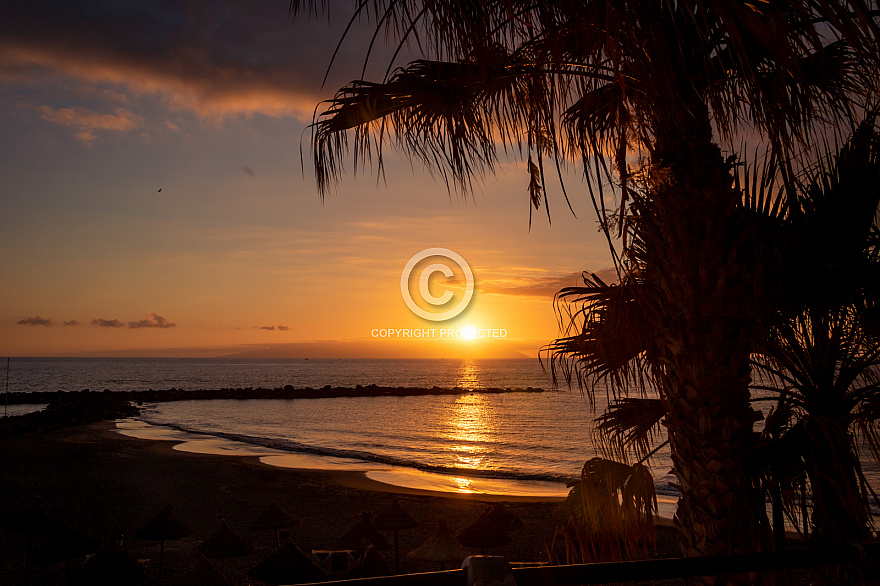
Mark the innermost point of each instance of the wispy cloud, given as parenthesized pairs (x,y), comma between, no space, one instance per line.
(107,323)
(36,321)
(278,328)
(539,286)
(72,322)
(153,320)
(86,123)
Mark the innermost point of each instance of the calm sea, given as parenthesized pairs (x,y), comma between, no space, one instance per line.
(526,437)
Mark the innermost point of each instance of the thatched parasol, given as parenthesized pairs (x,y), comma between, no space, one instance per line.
(372,565)
(363,529)
(203,573)
(65,544)
(484,533)
(503,517)
(274,518)
(163,527)
(32,521)
(287,565)
(225,543)
(442,547)
(113,567)
(395,519)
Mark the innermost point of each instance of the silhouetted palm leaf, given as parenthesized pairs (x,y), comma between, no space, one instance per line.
(609,511)
(606,335)
(504,70)
(630,424)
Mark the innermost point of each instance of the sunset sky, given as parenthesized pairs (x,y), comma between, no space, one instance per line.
(104,104)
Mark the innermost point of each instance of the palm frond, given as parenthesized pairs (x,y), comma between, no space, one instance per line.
(608,75)
(609,513)
(605,337)
(630,424)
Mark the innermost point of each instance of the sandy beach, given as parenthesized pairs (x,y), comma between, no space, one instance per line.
(109,485)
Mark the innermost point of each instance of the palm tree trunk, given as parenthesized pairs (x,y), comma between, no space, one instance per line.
(701,310)
(840,514)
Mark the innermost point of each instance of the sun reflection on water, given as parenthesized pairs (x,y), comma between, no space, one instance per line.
(471,427)
(468,375)
(462,485)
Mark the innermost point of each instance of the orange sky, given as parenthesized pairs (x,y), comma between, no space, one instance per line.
(236,253)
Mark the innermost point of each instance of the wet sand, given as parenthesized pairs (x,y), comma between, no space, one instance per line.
(108,485)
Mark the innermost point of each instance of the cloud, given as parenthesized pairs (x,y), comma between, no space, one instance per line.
(153,320)
(72,322)
(107,323)
(86,123)
(278,328)
(541,286)
(36,321)
(214,58)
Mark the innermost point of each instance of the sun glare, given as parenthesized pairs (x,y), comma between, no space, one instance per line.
(468,332)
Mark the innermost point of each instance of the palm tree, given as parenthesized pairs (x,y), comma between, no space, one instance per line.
(823,362)
(818,360)
(639,91)
(823,367)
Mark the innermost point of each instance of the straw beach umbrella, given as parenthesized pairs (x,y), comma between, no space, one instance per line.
(442,547)
(504,518)
(32,521)
(274,518)
(65,544)
(363,529)
(225,543)
(163,527)
(287,565)
(485,533)
(372,565)
(202,573)
(395,519)
(111,566)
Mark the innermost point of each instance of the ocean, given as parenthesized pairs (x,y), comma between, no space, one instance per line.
(509,443)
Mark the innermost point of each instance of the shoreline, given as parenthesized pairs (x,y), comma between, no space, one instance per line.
(343,473)
(372,476)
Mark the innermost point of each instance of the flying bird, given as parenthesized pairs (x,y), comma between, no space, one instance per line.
(159,190)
